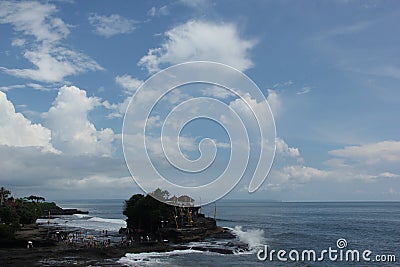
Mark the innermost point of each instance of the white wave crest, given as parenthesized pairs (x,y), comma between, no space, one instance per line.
(254,238)
(153,258)
(82,216)
(104,220)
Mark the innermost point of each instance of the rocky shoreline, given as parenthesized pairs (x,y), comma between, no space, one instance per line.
(57,211)
(47,251)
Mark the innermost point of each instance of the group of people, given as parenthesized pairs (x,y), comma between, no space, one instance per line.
(78,238)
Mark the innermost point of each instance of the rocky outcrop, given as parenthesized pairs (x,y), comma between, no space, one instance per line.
(60,211)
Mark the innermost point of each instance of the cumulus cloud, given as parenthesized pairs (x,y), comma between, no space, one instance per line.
(71,130)
(274,101)
(30,162)
(16,130)
(200,40)
(52,60)
(363,164)
(218,92)
(27,169)
(284,149)
(385,151)
(118,109)
(303,173)
(129,83)
(114,24)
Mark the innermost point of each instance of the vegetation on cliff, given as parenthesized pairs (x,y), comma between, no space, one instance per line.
(174,219)
(14,212)
(146,213)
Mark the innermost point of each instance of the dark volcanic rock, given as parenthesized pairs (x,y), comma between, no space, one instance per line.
(60,211)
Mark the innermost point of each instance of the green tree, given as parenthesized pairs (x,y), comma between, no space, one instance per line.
(6,233)
(4,193)
(27,211)
(35,198)
(9,216)
(146,213)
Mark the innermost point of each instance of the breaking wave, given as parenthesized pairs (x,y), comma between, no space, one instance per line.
(154,258)
(82,216)
(86,222)
(253,238)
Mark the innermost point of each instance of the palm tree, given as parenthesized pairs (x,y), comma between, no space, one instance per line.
(4,193)
(35,198)
(32,198)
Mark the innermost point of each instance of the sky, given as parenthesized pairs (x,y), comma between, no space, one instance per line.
(329,70)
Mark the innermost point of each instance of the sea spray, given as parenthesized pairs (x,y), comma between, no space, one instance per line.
(253,238)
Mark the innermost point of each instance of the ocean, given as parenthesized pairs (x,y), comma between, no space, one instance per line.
(371,229)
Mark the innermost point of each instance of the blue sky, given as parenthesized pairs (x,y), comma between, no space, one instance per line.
(329,69)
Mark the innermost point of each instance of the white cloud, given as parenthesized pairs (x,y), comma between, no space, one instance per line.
(303,174)
(194,3)
(111,25)
(16,130)
(295,177)
(274,101)
(10,87)
(39,87)
(284,149)
(71,130)
(385,151)
(18,42)
(93,182)
(363,164)
(28,85)
(152,11)
(118,110)
(304,90)
(218,92)
(52,61)
(59,175)
(199,40)
(283,84)
(129,83)
(368,163)
(162,11)
(53,64)
(34,18)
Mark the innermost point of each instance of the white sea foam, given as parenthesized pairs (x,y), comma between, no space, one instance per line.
(97,223)
(153,258)
(103,220)
(208,244)
(253,238)
(82,216)
(87,222)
